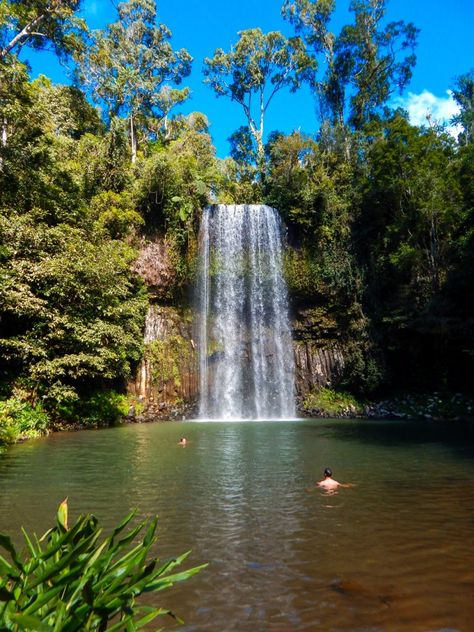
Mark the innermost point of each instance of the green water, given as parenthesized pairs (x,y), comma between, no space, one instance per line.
(392,553)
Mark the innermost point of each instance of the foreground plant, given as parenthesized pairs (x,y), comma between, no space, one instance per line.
(69,580)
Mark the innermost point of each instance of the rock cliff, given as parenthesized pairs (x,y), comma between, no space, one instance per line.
(167,379)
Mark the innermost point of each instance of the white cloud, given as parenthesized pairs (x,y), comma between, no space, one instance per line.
(426,108)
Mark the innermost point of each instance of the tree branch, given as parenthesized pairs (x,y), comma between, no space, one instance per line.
(24,34)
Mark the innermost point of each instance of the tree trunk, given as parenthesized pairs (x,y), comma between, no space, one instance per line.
(133,140)
(3,138)
(4,133)
(22,36)
(260,147)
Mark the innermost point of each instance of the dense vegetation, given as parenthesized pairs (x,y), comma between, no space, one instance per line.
(380,213)
(73,579)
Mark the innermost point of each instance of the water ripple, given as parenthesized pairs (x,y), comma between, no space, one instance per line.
(391,553)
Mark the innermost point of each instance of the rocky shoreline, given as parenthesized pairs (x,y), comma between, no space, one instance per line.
(435,407)
(162,412)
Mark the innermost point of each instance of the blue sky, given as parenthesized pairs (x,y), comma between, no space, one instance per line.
(445,50)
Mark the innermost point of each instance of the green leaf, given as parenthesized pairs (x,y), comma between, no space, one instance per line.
(7,569)
(122,526)
(30,623)
(96,555)
(65,538)
(183,213)
(63,514)
(29,544)
(43,599)
(7,544)
(148,540)
(120,625)
(152,614)
(163,582)
(54,569)
(130,536)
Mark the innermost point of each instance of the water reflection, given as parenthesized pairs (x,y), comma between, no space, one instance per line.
(456,435)
(391,553)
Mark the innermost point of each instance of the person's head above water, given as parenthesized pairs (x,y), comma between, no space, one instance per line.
(328,472)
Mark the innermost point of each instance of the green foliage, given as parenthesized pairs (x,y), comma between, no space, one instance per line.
(72,579)
(463,94)
(70,322)
(364,370)
(411,208)
(102,408)
(315,191)
(64,110)
(115,214)
(412,197)
(39,23)
(237,183)
(329,402)
(131,65)
(303,274)
(365,63)
(71,209)
(72,310)
(166,356)
(174,184)
(257,67)
(21,420)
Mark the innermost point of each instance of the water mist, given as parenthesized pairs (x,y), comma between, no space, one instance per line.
(245,349)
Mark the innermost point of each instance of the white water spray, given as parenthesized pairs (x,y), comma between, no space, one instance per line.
(245,349)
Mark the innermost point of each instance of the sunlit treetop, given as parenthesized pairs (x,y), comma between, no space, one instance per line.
(40,24)
(254,70)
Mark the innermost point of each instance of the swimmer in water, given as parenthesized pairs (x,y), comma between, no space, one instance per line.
(182,441)
(328,481)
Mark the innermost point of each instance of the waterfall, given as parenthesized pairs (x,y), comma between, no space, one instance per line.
(245,350)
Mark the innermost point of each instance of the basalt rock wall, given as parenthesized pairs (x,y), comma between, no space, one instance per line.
(319,356)
(167,379)
(316,367)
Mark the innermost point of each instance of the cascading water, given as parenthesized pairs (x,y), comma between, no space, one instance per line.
(245,350)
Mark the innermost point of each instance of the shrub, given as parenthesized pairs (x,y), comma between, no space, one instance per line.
(19,420)
(69,580)
(329,402)
(99,409)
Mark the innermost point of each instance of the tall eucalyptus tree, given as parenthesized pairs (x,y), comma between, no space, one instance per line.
(253,71)
(463,94)
(131,65)
(38,24)
(364,64)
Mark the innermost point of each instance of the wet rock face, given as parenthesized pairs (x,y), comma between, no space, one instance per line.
(167,377)
(319,360)
(316,366)
(168,374)
(155,266)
